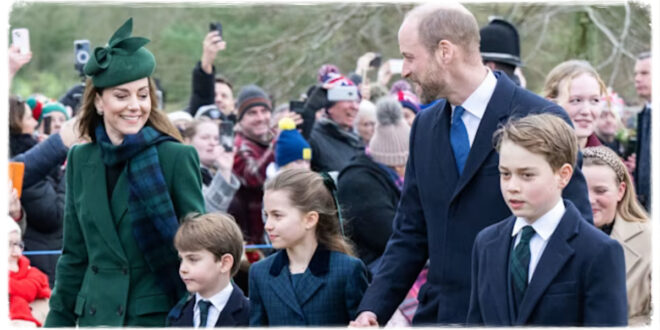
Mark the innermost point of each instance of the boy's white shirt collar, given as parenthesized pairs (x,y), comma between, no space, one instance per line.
(545,225)
(219,301)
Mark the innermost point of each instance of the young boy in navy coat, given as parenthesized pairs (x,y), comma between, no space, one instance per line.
(545,265)
(210,247)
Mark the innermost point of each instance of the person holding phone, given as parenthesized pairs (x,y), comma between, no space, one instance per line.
(332,138)
(126,192)
(42,199)
(19,52)
(209,87)
(216,163)
(53,115)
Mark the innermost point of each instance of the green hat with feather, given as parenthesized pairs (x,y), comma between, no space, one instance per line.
(122,60)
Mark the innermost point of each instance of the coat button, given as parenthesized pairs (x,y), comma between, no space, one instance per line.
(92,311)
(95,269)
(120,310)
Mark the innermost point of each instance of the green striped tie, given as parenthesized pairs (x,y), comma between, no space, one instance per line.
(203,312)
(520,264)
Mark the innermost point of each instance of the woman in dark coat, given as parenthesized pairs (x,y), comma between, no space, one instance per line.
(127,190)
(369,187)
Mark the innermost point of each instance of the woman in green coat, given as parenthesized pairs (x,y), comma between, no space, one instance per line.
(126,191)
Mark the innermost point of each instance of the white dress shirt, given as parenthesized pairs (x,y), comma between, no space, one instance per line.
(544,227)
(218,303)
(475,105)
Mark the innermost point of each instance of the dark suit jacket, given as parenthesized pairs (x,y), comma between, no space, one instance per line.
(327,294)
(235,314)
(440,214)
(102,276)
(580,279)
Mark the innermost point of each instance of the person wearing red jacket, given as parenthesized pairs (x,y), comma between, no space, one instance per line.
(26,283)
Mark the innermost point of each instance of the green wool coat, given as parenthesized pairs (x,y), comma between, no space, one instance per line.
(102,277)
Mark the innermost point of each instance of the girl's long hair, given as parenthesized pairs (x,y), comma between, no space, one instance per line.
(308,192)
(629,208)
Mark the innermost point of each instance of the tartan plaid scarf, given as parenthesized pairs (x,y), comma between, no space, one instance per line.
(150,207)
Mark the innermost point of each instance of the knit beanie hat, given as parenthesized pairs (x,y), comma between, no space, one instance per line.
(290,146)
(408,100)
(400,85)
(122,60)
(389,145)
(251,96)
(36,107)
(52,107)
(179,115)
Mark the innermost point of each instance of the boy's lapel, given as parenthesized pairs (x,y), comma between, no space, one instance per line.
(497,251)
(555,255)
(226,317)
(280,282)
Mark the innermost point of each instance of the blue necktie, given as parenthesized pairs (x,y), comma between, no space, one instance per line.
(458,137)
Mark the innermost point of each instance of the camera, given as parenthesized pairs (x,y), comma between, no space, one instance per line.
(217,26)
(80,54)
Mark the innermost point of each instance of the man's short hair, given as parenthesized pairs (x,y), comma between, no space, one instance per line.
(643,56)
(544,134)
(220,79)
(453,23)
(216,232)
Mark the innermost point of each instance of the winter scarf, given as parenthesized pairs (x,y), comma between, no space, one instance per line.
(150,208)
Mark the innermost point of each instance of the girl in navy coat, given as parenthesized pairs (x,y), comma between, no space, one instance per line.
(313,279)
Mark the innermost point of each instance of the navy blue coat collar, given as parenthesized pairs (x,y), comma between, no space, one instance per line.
(318,266)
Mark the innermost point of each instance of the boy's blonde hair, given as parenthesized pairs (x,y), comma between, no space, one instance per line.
(216,232)
(544,134)
(628,208)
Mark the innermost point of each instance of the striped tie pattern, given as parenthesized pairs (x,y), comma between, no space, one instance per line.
(203,312)
(520,264)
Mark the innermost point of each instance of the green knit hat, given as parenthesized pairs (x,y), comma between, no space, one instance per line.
(122,60)
(52,107)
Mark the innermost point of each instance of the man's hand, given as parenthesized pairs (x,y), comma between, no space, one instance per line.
(224,161)
(17,60)
(363,64)
(15,210)
(212,44)
(365,319)
(384,74)
(70,132)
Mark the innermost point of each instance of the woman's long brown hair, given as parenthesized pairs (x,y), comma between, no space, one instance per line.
(89,118)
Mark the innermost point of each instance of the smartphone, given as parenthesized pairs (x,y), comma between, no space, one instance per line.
(16,171)
(297,107)
(80,53)
(227,135)
(217,26)
(21,38)
(47,124)
(343,93)
(375,63)
(396,66)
